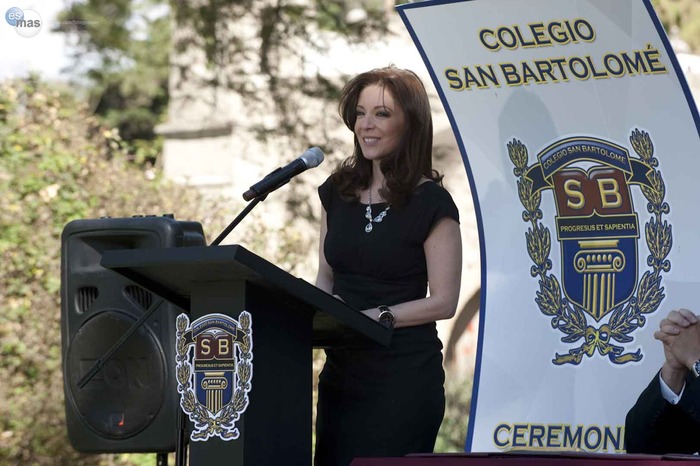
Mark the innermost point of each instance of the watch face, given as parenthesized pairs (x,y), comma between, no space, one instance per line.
(386,317)
(696,368)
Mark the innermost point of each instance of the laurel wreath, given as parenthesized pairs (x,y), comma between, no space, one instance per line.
(570,318)
(222,424)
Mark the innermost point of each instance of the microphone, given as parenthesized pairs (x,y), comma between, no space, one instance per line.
(281,176)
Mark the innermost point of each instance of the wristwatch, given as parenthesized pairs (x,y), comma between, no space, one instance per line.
(386,317)
(695,369)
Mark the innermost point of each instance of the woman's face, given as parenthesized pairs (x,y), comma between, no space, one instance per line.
(380,122)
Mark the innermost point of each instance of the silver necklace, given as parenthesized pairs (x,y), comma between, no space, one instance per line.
(368,213)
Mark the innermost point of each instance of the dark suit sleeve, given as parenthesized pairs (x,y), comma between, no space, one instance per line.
(654,426)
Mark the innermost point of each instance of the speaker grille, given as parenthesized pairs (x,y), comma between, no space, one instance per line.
(85,297)
(139,296)
(124,397)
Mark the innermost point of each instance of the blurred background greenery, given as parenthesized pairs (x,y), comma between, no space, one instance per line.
(65,147)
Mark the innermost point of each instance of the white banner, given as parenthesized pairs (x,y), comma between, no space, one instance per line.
(581,143)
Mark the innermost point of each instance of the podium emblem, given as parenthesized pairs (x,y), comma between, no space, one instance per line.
(214,372)
(601,298)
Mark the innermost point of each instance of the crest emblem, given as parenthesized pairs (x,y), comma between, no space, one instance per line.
(214,384)
(601,298)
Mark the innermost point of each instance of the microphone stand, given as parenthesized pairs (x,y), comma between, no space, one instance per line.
(181,440)
(238,219)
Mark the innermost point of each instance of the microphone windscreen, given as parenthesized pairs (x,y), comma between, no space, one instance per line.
(312,157)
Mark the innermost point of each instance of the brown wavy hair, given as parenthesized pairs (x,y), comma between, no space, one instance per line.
(412,159)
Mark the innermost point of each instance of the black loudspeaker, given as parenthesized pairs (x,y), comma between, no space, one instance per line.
(131,404)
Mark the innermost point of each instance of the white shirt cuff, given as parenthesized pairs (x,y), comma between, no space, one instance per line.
(668,394)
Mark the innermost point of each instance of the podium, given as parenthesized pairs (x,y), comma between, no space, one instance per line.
(289,318)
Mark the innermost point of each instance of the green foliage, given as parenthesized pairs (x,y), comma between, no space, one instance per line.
(128,45)
(683,16)
(458,394)
(57,163)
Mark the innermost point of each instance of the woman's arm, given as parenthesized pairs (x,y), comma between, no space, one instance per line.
(443,255)
(324,278)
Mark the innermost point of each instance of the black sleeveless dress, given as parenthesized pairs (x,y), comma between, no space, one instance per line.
(375,401)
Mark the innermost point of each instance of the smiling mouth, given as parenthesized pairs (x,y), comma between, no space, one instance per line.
(370,140)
